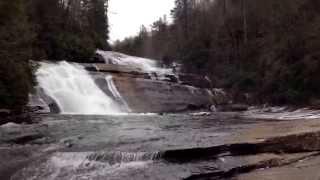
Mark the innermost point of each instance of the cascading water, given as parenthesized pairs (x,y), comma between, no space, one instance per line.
(143,64)
(113,89)
(74,90)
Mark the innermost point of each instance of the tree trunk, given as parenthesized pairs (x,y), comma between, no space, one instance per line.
(245,25)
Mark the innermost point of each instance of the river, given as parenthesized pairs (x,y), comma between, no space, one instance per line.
(137,146)
(119,147)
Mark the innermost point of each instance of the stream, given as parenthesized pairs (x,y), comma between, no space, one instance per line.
(116,147)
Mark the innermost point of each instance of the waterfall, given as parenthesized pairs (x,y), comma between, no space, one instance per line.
(113,89)
(74,90)
(138,63)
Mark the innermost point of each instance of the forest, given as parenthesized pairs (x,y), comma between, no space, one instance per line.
(227,89)
(45,30)
(268,49)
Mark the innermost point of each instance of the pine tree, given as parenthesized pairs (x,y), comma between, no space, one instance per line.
(99,23)
(15,39)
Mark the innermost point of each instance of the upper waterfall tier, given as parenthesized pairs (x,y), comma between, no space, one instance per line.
(141,64)
(74,90)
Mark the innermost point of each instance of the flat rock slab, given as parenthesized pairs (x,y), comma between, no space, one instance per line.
(305,169)
(217,146)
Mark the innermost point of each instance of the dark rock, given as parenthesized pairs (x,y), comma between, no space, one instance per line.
(4,112)
(40,102)
(233,107)
(17,118)
(296,143)
(194,107)
(53,106)
(113,68)
(194,80)
(264,164)
(90,67)
(172,78)
(213,108)
(98,59)
(239,107)
(24,139)
(314,103)
(220,96)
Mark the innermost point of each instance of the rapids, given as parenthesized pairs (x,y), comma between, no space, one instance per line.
(74,90)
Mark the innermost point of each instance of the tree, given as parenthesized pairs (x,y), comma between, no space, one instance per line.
(53,30)
(268,48)
(98,19)
(70,30)
(15,73)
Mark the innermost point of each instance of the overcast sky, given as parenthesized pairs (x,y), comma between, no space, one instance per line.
(127,16)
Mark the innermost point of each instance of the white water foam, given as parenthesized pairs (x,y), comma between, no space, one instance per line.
(80,165)
(143,64)
(74,90)
(116,93)
(281,113)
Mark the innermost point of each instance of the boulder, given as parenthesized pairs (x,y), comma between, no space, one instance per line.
(37,104)
(220,96)
(112,68)
(48,101)
(213,108)
(98,59)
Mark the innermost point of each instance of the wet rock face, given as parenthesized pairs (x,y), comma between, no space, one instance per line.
(158,96)
(142,91)
(40,102)
(194,80)
(152,92)
(147,95)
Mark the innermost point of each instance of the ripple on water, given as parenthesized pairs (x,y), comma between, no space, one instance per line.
(85,165)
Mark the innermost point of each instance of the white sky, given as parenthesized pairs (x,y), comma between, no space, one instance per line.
(127,16)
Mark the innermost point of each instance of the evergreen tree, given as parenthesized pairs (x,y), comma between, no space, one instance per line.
(51,30)
(15,38)
(99,23)
(70,30)
(268,48)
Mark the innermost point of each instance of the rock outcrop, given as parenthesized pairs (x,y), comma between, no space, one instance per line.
(244,148)
(147,92)
(140,84)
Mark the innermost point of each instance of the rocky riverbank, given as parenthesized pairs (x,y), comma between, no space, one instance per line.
(8,116)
